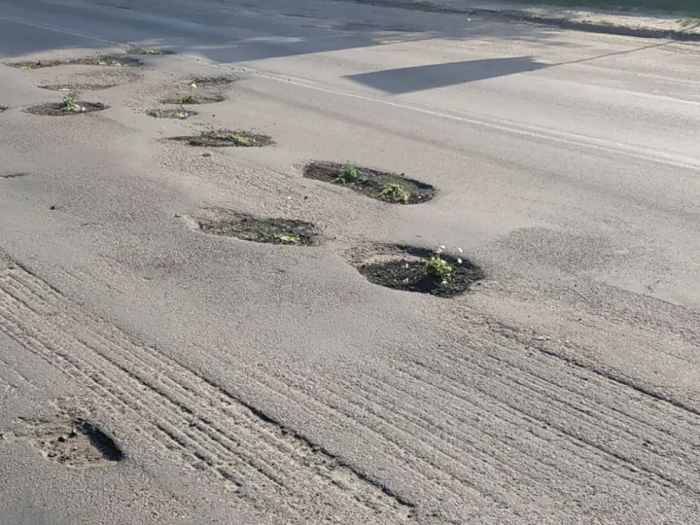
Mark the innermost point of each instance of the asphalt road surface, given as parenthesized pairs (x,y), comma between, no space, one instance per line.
(151,373)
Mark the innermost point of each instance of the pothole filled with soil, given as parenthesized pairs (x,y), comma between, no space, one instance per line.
(227,138)
(60,109)
(180,113)
(199,98)
(111,61)
(381,185)
(257,229)
(149,51)
(414,269)
(214,81)
(70,88)
(75,443)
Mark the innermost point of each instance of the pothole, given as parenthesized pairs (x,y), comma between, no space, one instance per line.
(61,109)
(216,221)
(3,108)
(214,81)
(72,442)
(227,138)
(194,98)
(381,185)
(69,88)
(180,113)
(149,51)
(415,269)
(110,61)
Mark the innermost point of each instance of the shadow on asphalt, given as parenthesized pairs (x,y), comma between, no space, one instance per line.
(431,76)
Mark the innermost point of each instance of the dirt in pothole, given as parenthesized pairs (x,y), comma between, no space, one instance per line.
(149,51)
(70,88)
(214,81)
(111,61)
(72,442)
(60,109)
(196,98)
(416,269)
(179,113)
(226,138)
(381,185)
(257,229)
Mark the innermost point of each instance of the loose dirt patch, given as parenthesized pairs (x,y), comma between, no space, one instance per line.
(180,113)
(72,442)
(381,185)
(227,138)
(111,61)
(216,221)
(59,109)
(407,268)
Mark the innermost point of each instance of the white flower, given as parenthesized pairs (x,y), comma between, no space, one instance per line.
(459,261)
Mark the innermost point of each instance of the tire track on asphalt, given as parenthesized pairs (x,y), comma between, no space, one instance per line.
(198,422)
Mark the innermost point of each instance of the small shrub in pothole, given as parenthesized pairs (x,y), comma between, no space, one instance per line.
(191,96)
(227,138)
(380,185)
(395,192)
(419,270)
(350,175)
(70,103)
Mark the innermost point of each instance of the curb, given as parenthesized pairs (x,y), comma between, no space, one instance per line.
(591,27)
(525,16)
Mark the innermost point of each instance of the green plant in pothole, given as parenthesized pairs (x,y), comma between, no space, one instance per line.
(239,139)
(439,268)
(395,192)
(70,104)
(350,175)
(287,239)
(191,96)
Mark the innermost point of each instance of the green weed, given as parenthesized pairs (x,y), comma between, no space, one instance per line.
(439,268)
(394,191)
